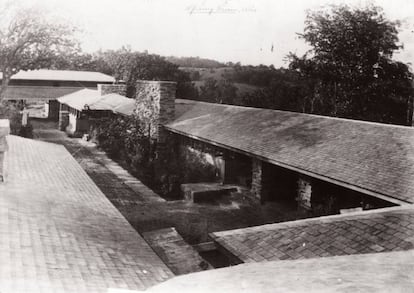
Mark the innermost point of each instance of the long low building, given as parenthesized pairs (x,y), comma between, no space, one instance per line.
(368,157)
(47,85)
(323,164)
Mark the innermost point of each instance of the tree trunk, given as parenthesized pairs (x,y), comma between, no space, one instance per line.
(4,83)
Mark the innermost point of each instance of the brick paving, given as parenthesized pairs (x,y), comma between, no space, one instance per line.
(145,193)
(118,185)
(390,229)
(58,231)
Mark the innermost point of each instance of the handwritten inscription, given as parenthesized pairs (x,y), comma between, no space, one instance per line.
(226,7)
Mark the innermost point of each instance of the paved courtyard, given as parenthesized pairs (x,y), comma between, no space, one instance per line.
(146,211)
(58,231)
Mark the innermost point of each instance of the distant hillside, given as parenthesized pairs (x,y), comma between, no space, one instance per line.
(242,88)
(200,75)
(204,73)
(194,62)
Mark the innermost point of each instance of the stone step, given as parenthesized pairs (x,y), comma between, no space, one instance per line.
(205,246)
(177,254)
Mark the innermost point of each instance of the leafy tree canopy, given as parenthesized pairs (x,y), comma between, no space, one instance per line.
(130,66)
(29,40)
(351,65)
(194,62)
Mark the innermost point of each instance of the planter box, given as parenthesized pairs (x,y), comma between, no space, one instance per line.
(205,192)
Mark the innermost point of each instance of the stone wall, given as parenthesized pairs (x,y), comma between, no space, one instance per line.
(106,89)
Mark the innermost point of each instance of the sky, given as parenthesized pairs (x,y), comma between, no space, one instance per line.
(247,31)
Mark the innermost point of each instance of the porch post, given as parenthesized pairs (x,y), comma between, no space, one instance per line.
(4,130)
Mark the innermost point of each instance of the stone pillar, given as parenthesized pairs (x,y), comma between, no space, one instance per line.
(106,89)
(155,106)
(304,193)
(257,178)
(4,130)
(167,108)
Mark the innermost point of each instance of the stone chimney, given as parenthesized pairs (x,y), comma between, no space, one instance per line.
(155,106)
(106,89)
(4,130)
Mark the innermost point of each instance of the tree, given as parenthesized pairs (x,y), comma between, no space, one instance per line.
(287,90)
(222,91)
(29,41)
(78,61)
(351,65)
(130,66)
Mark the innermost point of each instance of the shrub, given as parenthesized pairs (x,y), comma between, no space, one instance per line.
(122,138)
(12,111)
(181,165)
(26,131)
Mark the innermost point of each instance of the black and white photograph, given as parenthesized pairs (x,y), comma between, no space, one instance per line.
(206,146)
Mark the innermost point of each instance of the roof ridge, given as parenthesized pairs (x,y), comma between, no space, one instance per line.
(62,70)
(322,219)
(77,92)
(63,75)
(304,114)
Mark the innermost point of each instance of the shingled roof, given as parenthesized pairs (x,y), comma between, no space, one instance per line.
(379,272)
(93,100)
(390,229)
(374,158)
(79,99)
(62,75)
